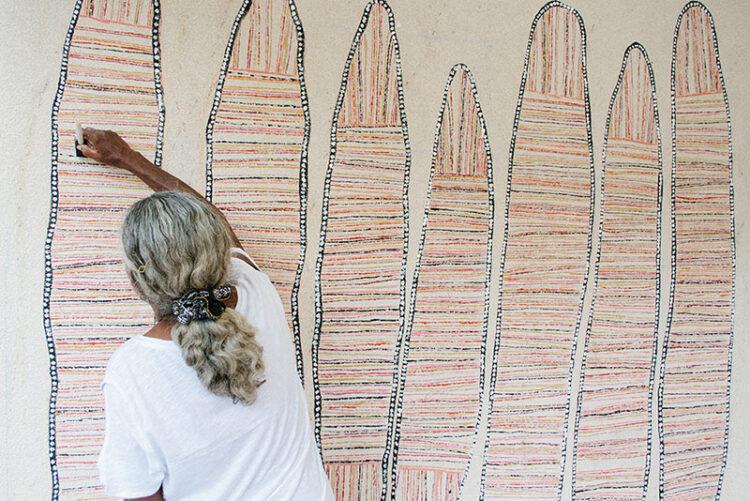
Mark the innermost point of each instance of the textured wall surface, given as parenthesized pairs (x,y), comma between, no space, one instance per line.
(662,415)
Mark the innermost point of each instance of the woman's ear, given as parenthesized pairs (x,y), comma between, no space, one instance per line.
(137,289)
(134,283)
(131,277)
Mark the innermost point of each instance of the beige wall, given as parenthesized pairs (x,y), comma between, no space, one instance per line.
(490,37)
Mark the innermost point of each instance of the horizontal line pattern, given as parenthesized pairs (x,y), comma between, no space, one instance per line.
(360,275)
(613,423)
(360,283)
(256,139)
(694,398)
(443,369)
(547,249)
(92,308)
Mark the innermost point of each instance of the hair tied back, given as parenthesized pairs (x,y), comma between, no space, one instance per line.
(201,304)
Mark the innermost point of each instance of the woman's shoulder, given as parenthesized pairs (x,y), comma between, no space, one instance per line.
(127,361)
(120,363)
(240,254)
(244,271)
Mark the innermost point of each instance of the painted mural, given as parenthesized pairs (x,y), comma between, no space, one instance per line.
(447,332)
(257,136)
(548,221)
(612,437)
(697,357)
(360,278)
(415,383)
(110,75)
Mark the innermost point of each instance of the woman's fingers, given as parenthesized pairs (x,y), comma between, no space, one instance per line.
(104,146)
(89,152)
(92,142)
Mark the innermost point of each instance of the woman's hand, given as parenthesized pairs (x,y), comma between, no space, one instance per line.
(107,147)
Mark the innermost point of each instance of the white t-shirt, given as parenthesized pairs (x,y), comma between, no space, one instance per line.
(164,428)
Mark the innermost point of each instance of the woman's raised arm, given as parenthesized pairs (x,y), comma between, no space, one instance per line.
(109,148)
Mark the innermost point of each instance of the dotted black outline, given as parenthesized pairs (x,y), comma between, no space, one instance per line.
(54,199)
(294,300)
(662,371)
(415,281)
(516,119)
(660,189)
(324,225)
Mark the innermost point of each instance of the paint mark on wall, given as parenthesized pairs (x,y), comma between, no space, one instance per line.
(361,267)
(612,445)
(109,78)
(257,137)
(442,377)
(549,216)
(696,363)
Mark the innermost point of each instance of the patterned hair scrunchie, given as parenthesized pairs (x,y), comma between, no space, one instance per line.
(205,304)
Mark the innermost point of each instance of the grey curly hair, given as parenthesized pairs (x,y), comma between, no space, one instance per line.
(175,243)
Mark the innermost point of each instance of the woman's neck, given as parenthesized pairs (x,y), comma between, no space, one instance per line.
(161,329)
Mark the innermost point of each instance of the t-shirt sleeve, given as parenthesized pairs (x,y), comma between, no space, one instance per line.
(128,467)
(243,274)
(261,302)
(234,251)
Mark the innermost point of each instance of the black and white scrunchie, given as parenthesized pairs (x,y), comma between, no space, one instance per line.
(201,304)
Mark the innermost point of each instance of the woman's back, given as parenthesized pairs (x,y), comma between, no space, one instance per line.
(164,428)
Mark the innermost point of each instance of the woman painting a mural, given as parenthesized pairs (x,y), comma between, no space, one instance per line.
(207,404)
